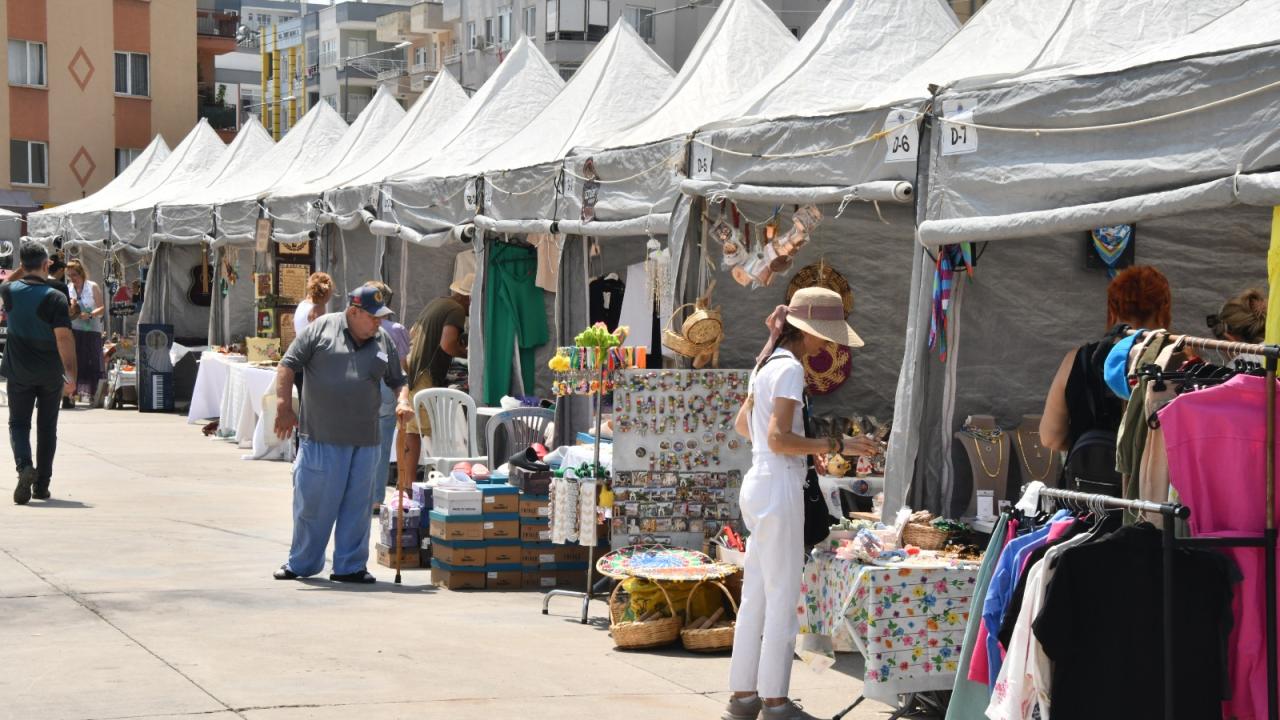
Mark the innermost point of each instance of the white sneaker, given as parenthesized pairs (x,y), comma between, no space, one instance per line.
(740,709)
(788,710)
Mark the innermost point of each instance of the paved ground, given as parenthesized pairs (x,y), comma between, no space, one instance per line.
(143,590)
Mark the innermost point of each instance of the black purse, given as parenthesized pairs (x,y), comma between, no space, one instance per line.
(817,514)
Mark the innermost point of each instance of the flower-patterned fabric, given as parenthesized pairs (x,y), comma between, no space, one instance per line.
(908,622)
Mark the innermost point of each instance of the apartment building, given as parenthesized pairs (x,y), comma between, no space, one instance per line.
(346,55)
(90,83)
(429,40)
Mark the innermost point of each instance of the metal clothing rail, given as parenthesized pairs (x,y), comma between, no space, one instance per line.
(1271,356)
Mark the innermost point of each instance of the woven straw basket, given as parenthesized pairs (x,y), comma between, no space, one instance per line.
(925,537)
(681,343)
(637,635)
(712,639)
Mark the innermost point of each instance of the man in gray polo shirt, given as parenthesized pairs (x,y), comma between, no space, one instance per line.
(345,356)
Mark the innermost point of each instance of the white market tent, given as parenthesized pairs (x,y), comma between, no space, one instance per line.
(85,219)
(1176,131)
(621,79)
(293,208)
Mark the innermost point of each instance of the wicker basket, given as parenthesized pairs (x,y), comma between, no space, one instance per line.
(712,639)
(681,344)
(641,635)
(703,326)
(925,537)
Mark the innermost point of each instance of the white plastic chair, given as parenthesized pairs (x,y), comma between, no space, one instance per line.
(449,446)
(521,428)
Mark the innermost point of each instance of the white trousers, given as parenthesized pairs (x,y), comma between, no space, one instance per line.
(772,502)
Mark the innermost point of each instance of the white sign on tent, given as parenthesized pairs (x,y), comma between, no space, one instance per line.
(958,139)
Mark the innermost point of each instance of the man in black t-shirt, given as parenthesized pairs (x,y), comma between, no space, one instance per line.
(40,367)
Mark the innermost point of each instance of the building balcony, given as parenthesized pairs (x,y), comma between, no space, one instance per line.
(451,10)
(427,18)
(216,24)
(220,117)
(394,27)
(429,67)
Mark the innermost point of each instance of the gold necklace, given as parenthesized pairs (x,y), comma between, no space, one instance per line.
(999,453)
(1026,460)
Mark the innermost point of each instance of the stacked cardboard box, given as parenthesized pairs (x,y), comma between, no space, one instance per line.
(406,542)
(457,538)
(501,536)
(543,565)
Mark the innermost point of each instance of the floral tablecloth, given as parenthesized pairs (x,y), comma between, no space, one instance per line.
(907,622)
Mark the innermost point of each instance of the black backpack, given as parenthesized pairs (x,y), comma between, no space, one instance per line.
(1091,462)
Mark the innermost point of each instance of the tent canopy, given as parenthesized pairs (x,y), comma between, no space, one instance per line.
(47,223)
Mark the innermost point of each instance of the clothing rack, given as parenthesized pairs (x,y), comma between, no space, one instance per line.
(1271,357)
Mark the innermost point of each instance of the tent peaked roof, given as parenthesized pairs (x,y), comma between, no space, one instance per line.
(853,52)
(149,161)
(200,150)
(378,119)
(743,42)
(523,85)
(405,145)
(622,79)
(1007,37)
(250,145)
(290,160)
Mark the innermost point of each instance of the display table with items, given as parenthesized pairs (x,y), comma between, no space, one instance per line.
(903,608)
(211,385)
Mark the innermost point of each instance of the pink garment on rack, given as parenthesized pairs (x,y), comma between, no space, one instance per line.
(979,669)
(1216,441)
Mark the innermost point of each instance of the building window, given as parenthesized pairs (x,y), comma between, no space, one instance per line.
(504,26)
(328,53)
(357,47)
(641,18)
(488,31)
(332,100)
(133,74)
(358,103)
(125,158)
(567,70)
(28,162)
(26,63)
(553,19)
(531,21)
(472,40)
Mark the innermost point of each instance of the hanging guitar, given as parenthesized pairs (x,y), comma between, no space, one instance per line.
(201,294)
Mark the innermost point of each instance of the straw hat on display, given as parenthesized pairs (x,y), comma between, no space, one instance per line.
(819,311)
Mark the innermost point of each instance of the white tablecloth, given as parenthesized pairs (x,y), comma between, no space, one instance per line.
(242,419)
(211,385)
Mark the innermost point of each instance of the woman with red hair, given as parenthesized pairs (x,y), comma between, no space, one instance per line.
(1078,399)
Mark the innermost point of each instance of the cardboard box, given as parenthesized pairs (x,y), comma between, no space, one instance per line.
(500,552)
(502,527)
(534,483)
(538,554)
(409,557)
(500,498)
(535,506)
(535,531)
(503,577)
(423,494)
(456,527)
(456,578)
(456,501)
(469,554)
(388,517)
(536,579)
(408,539)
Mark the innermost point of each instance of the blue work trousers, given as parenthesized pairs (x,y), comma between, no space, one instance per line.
(382,467)
(331,484)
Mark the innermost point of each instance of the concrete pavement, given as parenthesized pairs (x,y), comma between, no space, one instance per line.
(144,590)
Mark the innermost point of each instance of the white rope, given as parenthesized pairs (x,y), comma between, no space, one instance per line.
(873,137)
(550,179)
(1120,125)
(665,163)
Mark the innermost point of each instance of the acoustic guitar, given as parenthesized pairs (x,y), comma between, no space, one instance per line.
(201,294)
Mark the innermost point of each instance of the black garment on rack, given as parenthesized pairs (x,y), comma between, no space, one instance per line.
(605,297)
(1101,626)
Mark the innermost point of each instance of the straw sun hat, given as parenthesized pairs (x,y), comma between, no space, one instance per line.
(819,311)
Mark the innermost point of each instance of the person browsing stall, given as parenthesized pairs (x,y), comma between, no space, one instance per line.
(40,366)
(772,502)
(437,337)
(347,357)
(387,411)
(316,303)
(87,310)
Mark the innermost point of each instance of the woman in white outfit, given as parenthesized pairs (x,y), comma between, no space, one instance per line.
(772,502)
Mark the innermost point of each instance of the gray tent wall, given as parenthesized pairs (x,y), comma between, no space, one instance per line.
(1175,147)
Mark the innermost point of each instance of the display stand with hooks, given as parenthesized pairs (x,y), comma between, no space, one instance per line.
(587,595)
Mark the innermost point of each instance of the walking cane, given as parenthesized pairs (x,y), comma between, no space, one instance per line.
(402,467)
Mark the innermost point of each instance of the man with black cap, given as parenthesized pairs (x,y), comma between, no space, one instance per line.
(40,367)
(346,356)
